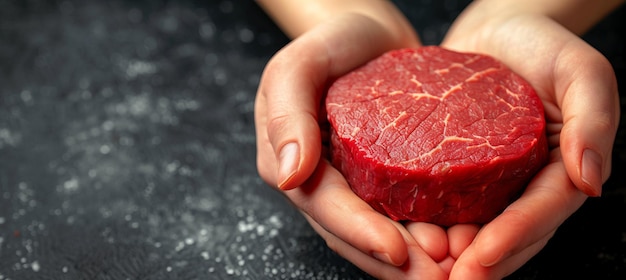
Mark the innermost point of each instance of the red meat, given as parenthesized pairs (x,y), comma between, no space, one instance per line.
(437,136)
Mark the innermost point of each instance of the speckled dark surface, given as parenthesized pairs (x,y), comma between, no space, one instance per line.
(127,149)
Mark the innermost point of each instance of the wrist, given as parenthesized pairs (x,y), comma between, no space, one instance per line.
(298,17)
(575,15)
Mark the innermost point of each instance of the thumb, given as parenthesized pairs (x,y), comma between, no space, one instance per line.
(291,135)
(578,87)
(590,109)
(295,79)
(288,102)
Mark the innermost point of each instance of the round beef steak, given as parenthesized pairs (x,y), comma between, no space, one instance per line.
(436,136)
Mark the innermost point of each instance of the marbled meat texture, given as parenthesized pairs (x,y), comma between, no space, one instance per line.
(432,135)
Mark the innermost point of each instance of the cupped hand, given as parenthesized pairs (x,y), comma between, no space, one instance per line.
(579,92)
(578,89)
(290,155)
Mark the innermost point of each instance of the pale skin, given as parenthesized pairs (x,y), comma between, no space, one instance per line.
(537,39)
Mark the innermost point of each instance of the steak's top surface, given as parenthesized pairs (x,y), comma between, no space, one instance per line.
(431,109)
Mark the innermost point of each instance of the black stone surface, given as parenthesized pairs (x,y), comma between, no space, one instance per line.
(127,148)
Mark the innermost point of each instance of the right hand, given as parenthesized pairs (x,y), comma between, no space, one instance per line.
(288,113)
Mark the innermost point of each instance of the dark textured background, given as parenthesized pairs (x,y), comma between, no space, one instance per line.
(127,148)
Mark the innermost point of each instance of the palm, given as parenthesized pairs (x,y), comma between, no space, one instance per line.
(581,111)
(544,53)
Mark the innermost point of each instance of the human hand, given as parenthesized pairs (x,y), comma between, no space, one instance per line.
(287,111)
(578,89)
(290,156)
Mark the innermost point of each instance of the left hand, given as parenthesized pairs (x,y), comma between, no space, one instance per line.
(579,92)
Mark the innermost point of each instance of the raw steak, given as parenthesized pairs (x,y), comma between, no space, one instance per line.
(437,136)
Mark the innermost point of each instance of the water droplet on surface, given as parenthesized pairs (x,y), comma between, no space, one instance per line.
(35,266)
(105,149)
(27,97)
(180,246)
(71,184)
(207,30)
(229,270)
(169,24)
(108,125)
(246,35)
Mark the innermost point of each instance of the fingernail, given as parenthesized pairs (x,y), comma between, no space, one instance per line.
(592,172)
(383,257)
(288,161)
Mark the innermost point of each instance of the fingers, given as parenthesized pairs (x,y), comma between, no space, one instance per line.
(579,93)
(590,109)
(287,117)
(581,83)
(569,75)
(292,87)
(419,264)
(549,199)
(460,237)
(442,246)
(286,111)
(431,238)
(327,199)
(467,265)
(290,147)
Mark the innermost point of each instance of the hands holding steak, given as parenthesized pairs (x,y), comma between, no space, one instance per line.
(579,92)
(289,141)
(575,82)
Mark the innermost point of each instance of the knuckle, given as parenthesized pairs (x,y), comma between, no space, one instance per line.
(606,123)
(333,243)
(277,125)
